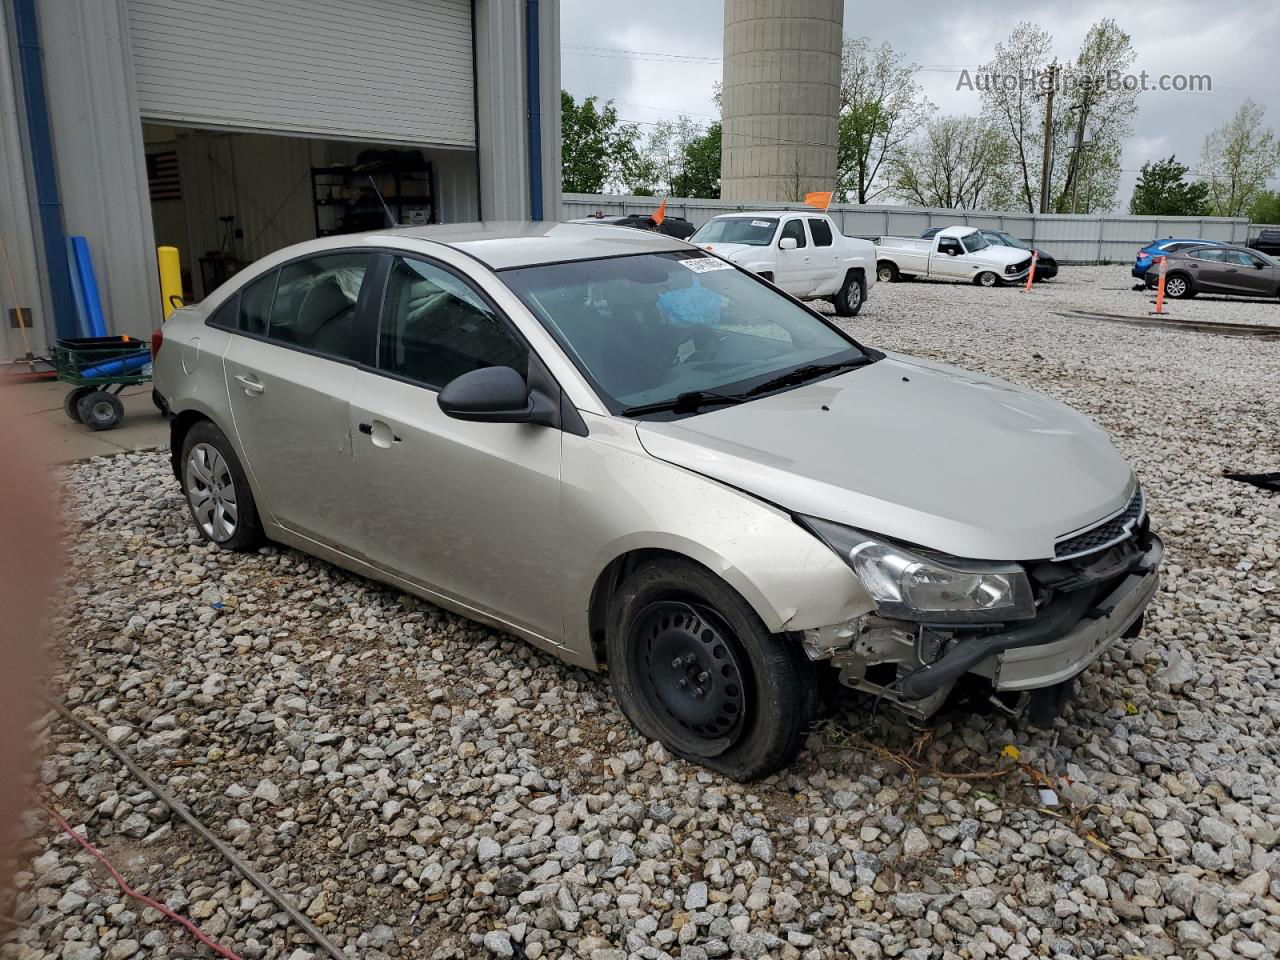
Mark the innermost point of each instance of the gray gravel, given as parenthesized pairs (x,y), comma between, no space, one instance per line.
(425,787)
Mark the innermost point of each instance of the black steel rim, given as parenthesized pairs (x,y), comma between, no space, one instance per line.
(690,675)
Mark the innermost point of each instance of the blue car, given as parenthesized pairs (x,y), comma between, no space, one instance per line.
(1168,245)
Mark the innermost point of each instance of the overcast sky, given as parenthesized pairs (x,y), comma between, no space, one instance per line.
(1237,44)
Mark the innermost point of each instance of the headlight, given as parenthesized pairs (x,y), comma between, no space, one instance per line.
(912,586)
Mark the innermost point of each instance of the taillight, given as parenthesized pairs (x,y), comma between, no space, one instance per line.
(157,341)
(1141,253)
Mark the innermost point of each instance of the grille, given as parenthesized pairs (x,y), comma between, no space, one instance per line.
(1108,532)
(1019,266)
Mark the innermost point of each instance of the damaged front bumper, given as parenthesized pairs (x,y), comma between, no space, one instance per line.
(916,666)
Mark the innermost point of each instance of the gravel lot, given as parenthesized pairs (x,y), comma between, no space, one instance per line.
(424,787)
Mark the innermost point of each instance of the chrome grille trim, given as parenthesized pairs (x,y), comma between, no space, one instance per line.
(1105,533)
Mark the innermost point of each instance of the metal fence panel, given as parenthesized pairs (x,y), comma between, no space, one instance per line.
(1071,238)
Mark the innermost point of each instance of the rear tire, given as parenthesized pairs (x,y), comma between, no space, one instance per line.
(887,272)
(693,666)
(1178,286)
(217,490)
(71,403)
(848,302)
(100,410)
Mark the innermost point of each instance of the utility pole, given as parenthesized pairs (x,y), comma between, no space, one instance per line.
(1048,138)
(1073,172)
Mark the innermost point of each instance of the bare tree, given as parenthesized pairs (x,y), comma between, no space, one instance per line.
(1237,159)
(956,163)
(881,106)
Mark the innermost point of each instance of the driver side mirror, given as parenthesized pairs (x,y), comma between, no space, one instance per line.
(490,395)
(787,243)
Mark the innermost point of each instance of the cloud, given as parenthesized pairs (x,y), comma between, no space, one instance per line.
(1234,45)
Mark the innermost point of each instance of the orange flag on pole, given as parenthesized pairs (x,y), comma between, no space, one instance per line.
(820,200)
(661,213)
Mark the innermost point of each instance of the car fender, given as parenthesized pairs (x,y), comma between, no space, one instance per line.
(618,499)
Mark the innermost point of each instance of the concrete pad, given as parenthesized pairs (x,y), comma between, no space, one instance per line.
(40,404)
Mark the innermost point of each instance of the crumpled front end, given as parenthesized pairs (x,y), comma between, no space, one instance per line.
(1094,592)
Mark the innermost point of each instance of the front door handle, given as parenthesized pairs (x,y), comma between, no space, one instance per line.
(251,386)
(381,434)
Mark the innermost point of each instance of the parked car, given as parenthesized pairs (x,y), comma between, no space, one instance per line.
(1046,266)
(1267,241)
(671,226)
(1146,255)
(804,254)
(1218,269)
(953,253)
(635,454)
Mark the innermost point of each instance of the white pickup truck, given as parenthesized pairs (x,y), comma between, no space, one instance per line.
(955,253)
(804,254)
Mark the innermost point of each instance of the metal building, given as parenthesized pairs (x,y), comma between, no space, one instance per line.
(230,129)
(781,98)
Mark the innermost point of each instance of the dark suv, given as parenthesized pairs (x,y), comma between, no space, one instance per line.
(1267,241)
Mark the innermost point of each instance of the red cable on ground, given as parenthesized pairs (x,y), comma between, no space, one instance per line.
(140,897)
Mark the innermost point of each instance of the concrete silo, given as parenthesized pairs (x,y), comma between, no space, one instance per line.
(781,98)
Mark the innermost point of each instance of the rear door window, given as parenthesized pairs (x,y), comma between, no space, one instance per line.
(821,231)
(795,230)
(227,316)
(255,304)
(315,303)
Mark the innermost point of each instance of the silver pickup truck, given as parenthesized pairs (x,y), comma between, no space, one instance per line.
(956,253)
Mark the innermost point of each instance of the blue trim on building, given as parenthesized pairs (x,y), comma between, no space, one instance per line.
(533,84)
(44,173)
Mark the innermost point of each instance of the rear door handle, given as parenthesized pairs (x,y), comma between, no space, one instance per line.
(251,386)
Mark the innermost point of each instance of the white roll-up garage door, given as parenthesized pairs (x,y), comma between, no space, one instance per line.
(380,70)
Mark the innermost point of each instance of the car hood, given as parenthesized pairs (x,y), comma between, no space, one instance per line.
(1004,255)
(913,450)
(736,251)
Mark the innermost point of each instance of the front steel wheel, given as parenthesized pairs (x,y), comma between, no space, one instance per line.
(217,490)
(693,667)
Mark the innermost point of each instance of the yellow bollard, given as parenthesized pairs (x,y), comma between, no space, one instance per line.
(170,279)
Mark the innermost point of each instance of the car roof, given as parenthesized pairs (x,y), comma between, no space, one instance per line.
(503,244)
(771,214)
(957,231)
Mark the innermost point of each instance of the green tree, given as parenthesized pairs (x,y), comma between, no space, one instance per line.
(1238,158)
(1266,208)
(881,106)
(700,172)
(1016,105)
(598,150)
(1163,190)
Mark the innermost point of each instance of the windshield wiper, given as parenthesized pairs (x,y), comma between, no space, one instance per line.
(808,372)
(687,402)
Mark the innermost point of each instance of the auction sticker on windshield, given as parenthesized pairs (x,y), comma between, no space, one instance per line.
(705,264)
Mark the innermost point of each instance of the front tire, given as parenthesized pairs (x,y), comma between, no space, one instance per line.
(848,302)
(217,490)
(100,410)
(693,666)
(986,279)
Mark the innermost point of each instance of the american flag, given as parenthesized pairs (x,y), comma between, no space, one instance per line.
(162,176)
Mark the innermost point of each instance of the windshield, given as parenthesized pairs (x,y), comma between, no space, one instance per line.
(756,231)
(647,328)
(974,242)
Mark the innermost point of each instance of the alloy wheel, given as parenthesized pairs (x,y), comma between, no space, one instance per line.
(690,675)
(211,491)
(1175,286)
